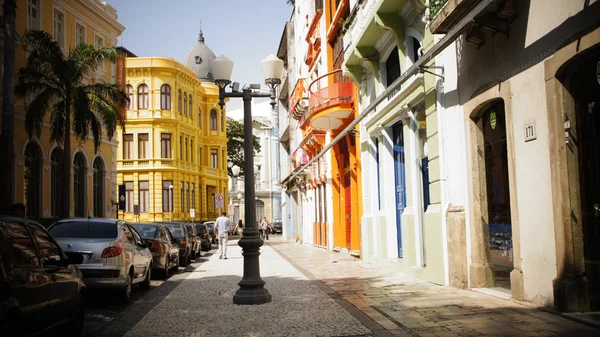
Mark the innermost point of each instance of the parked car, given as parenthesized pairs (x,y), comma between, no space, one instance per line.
(115,255)
(179,232)
(41,290)
(211,231)
(276,227)
(205,240)
(164,249)
(195,241)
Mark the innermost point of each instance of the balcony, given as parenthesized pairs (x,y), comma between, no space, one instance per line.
(445,14)
(298,103)
(313,38)
(330,106)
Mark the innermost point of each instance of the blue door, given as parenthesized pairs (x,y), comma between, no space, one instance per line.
(400,178)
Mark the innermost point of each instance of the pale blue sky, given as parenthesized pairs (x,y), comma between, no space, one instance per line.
(245,31)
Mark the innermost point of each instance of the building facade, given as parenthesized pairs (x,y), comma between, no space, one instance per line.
(172,158)
(37,161)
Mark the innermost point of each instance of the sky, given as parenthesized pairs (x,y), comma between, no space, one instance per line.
(244,31)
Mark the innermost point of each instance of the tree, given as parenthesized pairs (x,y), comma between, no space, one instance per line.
(235,145)
(64,86)
(7,149)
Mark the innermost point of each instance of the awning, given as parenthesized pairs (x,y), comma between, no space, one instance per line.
(452,35)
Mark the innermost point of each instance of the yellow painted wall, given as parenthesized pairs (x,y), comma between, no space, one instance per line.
(100,20)
(195,167)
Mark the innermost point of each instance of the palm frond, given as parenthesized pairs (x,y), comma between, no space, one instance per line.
(34,116)
(46,46)
(109,101)
(57,122)
(81,114)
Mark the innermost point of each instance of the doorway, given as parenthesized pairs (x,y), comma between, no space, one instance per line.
(498,229)
(400,179)
(584,86)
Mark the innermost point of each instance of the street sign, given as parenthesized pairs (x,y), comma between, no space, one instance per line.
(136,209)
(219,200)
(192,213)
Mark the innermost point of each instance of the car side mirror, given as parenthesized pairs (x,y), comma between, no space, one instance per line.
(147,244)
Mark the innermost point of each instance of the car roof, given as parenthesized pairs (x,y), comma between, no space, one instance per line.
(93,220)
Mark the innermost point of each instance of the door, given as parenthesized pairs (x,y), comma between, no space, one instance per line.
(586,92)
(347,202)
(400,180)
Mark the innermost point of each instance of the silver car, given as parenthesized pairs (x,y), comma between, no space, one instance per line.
(115,255)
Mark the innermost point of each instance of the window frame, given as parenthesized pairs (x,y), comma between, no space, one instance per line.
(127,146)
(62,36)
(214,158)
(166,195)
(129,91)
(77,35)
(143,145)
(129,196)
(144,195)
(165,97)
(213,120)
(37,18)
(143,97)
(165,145)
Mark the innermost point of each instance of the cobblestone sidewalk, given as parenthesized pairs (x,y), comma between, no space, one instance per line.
(202,305)
(390,303)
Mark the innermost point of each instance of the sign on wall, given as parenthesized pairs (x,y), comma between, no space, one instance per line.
(219,200)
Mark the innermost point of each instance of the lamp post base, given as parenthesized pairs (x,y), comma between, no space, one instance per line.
(252,290)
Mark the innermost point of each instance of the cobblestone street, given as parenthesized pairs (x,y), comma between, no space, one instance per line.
(321,293)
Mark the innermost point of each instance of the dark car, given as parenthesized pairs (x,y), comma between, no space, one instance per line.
(194,239)
(41,290)
(164,249)
(276,227)
(180,232)
(205,240)
(211,231)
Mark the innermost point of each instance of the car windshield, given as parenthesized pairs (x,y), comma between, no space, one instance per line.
(200,229)
(146,231)
(176,230)
(84,229)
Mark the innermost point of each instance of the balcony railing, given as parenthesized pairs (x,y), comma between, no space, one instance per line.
(332,95)
(445,14)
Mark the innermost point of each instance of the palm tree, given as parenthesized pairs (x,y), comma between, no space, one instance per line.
(58,84)
(7,151)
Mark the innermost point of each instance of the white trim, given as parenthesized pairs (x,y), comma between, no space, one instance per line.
(39,15)
(61,10)
(78,22)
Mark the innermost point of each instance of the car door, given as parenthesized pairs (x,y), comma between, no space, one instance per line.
(172,247)
(30,285)
(142,255)
(64,285)
(129,249)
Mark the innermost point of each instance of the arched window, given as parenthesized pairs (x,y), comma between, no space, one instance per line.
(190,110)
(213,119)
(179,101)
(185,104)
(79,169)
(165,97)
(130,96)
(55,180)
(143,99)
(98,189)
(33,171)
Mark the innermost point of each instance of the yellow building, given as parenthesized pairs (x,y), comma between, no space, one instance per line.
(37,162)
(172,157)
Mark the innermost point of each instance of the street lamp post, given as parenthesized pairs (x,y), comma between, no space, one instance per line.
(170,202)
(252,290)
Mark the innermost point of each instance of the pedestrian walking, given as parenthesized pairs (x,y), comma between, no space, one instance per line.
(264,225)
(239,228)
(222,228)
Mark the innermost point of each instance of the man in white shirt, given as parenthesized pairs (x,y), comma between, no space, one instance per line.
(222,225)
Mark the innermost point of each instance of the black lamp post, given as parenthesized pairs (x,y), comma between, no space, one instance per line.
(252,290)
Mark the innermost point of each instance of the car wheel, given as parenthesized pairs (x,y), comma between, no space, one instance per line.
(167,269)
(176,266)
(184,263)
(146,284)
(75,327)
(126,293)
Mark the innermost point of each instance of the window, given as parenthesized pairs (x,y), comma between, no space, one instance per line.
(180,147)
(179,101)
(59,27)
(48,248)
(392,67)
(144,197)
(214,159)
(190,103)
(192,150)
(378,173)
(22,245)
(55,179)
(143,100)
(187,195)
(99,43)
(165,145)
(98,187)
(130,97)
(127,234)
(213,120)
(79,33)
(186,149)
(167,197)
(142,146)
(127,146)
(33,14)
(182,199)
(185,104)
(165,97)
(129,196)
